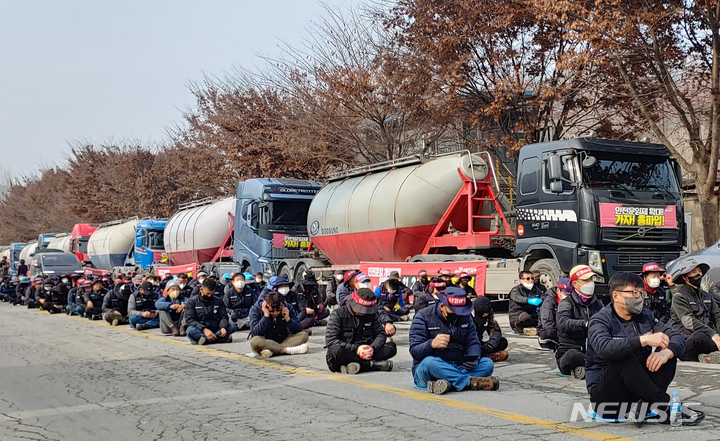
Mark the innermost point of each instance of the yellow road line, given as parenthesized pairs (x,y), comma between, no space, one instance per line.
(413,394)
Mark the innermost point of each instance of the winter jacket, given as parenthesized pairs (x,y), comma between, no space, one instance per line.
(694,310)
(343,291)
(297,302)
(206,313)
(274,328)
(164,304)
(96,297)
(31,294)
(428,323)
(116,300)
(610,338)
(419,287)
(573,317)
(658,302)
(139,303)
(423,300)
(7,289)
(548,312)
(75,297)
(310,292)
(21,288)
(350,331)
(488,325)
(331,289)
(518,303)
(392,301)
(239,303)
(22,270)
(56,296)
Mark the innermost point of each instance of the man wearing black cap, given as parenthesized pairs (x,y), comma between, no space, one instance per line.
(141,308)
(355,338)
(428,298)
(695,314)
(422,284)
(484,317)
(464,283)
(115,303)
(445,347)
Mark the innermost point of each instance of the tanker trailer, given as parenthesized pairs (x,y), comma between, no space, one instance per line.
(200,233)
(27,252)
(417,209)
(60,242)
(110,245)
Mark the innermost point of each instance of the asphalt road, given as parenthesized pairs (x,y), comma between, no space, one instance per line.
(65,378)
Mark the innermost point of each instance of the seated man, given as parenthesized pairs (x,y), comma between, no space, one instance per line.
(171,308)
(7,289)
(93,299)
(445,347)
(206,317)
(141,307)
(316,311)
(421,284)
(573,314)
(43,293)
(238,299)
(22,287)
(55,300)
(658,296)
(464,283)
(428,298)
(390,295)
(32,294)
(348,285)
(623,368)
(695,315)
(275,328)
(182,280)
(75,298)
(115,304)
(331,288)
(355,338)
(290,297)
(547,325)
(484,317)
(523,305)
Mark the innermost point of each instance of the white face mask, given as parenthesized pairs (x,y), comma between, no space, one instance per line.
(338,277)
(284,290)
(258,279)
(391,291)
(181,285)
(588,289)
(528,286)
(239,285)
(363,285)
(653,282)
(64,280)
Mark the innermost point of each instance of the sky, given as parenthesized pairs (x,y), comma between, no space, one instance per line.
(98,70)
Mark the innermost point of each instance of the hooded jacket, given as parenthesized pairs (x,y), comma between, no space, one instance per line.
(274,328)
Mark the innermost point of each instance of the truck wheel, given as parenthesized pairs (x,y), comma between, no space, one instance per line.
(285,272)
(549,271)
(300,272)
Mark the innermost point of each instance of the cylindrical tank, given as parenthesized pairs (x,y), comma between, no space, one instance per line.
(387,216)
(27,252)
(194,235)
(109,245)
(60,242)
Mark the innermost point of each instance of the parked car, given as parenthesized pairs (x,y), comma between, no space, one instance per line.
(54,263)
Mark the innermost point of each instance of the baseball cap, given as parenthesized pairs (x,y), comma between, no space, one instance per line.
(362,277)
(651,267)
(446,272)
(563,283)
(363,301)
(581,272)
(422,273)
(455,299)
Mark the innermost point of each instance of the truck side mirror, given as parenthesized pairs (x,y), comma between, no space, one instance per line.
(589,161)
(556,186)
(554,168)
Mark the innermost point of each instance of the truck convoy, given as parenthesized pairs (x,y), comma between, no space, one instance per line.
(612,205)
(127,245)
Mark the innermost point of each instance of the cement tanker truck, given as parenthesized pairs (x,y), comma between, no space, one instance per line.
(127,245)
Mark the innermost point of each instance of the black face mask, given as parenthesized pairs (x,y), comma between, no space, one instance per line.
(424,280)
(205,298)
(695,280)
(451,317)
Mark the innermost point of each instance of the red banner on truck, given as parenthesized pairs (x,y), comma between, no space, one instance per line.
(619,215)
(94,272)
(163,271)
(380,271)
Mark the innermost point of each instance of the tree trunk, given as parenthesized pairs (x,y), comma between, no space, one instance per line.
(710,209)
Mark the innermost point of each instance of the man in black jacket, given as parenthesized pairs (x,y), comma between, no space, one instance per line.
(484,317)
(428,298)
(547,324)
(658,296)
(573,315)
(523,305)
(421,284)
(315,309)
(206,317)
(115,304)
(355,338)
(93,300)
(695,314)
(623,367)
(239,298)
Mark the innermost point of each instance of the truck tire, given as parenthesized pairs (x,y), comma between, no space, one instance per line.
(549,271)
(300,272)
(285,272)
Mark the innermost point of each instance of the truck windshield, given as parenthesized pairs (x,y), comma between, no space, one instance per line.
(631,173)
(16,255)
(155,240)
(61,260)
(82,244)
(288,213)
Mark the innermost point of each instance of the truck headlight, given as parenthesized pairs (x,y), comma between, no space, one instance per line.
(595,262)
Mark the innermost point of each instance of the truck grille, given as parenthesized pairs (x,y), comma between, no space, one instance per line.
(640,259)
(634,236)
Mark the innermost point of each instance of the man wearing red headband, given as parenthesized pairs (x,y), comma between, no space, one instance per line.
(429,298)
(422,284)
(355,338)
(658,296)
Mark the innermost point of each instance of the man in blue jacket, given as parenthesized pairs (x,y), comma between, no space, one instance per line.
(206,317)
(239,298)
(445,347)
(631,358)
(171,308)
(275,328)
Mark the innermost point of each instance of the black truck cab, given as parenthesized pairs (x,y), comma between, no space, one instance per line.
(612,205)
